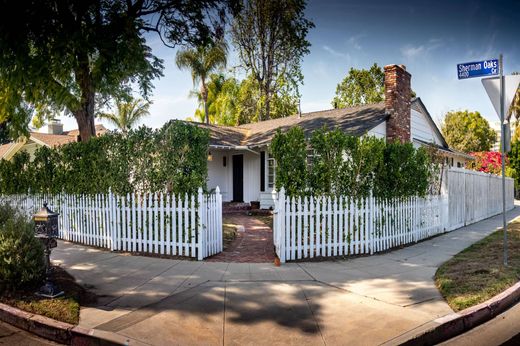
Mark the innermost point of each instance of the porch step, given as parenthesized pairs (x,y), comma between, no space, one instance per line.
(229,207)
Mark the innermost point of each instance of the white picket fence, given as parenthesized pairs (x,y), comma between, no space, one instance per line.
(153,223)
(319,226)
(474,196)
(341,226)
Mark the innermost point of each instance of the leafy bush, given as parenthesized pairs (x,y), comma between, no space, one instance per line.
(21,254)
(334,163)
(289,151)
(173,158)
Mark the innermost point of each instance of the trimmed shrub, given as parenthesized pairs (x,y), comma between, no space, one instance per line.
(21,254)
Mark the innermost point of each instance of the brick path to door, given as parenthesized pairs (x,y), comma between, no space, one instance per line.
(254,244)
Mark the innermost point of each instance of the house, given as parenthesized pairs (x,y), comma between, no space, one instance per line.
(52,136)
(240,164)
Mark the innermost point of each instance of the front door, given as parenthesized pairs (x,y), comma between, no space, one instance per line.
(238,178)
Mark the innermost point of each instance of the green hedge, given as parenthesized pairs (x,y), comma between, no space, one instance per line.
(334,163)
(173,158)
(21,254)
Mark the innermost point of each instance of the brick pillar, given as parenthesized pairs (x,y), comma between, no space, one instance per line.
(398,94)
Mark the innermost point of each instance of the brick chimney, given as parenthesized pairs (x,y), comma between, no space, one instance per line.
(398,94)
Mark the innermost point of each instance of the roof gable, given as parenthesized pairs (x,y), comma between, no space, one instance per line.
(419,106)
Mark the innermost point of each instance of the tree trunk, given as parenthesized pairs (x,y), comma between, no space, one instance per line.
(267,103)
(204,91)
(206,110)
(85,114)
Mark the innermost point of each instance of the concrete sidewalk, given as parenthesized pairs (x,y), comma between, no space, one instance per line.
(366,300)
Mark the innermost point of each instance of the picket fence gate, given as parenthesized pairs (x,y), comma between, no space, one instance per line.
(153,223)
(307,227)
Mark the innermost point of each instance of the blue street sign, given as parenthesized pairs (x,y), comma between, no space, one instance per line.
(478,69)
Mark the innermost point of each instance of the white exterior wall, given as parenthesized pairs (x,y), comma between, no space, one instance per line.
(218,174)
(221,176)
(422,130)
(379,131)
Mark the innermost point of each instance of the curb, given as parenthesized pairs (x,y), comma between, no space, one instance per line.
(451,325)
(57,331)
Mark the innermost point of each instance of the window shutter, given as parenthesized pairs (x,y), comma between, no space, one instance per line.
(262,171)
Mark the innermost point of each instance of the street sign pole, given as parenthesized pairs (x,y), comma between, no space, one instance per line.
(503,142)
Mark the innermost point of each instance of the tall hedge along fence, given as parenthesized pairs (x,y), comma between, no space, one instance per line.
(171,159)
(331,162)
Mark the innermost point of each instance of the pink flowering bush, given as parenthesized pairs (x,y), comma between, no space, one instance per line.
(487,161)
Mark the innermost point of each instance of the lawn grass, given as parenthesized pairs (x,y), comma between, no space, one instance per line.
(65,308)
(477,273)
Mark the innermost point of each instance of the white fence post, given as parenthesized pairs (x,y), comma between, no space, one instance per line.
(282,227)
(202,226)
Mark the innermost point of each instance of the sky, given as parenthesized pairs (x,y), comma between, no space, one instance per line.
(429,37)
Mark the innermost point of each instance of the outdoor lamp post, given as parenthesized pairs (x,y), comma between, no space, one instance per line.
(46,230)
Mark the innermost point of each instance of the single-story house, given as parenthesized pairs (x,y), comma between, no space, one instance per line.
(52,135)
(240,164)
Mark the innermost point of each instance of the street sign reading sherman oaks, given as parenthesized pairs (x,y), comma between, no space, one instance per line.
(478,69)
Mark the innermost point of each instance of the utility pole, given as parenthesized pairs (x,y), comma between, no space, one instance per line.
(503,142)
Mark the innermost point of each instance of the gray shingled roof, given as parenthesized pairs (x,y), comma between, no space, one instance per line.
(353,120)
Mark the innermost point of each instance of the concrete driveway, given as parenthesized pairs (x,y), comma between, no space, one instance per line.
(367,300)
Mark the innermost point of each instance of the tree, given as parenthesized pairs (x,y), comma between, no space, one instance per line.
(250,104)
(221,103)
(515,106)
(69,53)
(128,114)
(467,131)
(202,61)
(271,37)
(360,87)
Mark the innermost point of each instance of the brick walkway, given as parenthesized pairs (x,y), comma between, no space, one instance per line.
(253,245)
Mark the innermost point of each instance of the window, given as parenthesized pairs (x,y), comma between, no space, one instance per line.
(271,166)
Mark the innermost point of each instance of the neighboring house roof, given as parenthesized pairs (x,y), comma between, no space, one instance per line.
(353,120)
(51,140)
(100,130)
(45,139)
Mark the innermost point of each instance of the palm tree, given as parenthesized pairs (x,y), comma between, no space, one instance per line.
(202,61)
(128,114)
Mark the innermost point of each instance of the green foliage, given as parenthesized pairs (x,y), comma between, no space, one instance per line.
(290,152)
(326,171)
(21,254)
(70,53)
(364,160)
(201,61)
(182,160)
(514,163)
(360,87)
(271,39)
(233,102)
(405,171)
(173,158)
(340,164)
(467,131)
(128,114)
